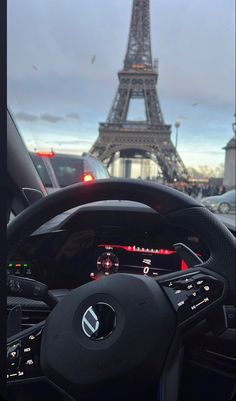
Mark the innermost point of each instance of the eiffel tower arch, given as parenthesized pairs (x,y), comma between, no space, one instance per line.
(138,80)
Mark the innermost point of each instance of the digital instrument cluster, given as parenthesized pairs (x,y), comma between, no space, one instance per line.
(68,259)
(133,259)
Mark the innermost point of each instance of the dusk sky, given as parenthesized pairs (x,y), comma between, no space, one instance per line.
(64,55)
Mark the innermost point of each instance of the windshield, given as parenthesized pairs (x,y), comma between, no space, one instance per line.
(145,87)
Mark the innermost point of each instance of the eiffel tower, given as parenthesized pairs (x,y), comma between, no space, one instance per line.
(150,138)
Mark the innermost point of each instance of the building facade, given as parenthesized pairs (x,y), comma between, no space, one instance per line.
(230,165)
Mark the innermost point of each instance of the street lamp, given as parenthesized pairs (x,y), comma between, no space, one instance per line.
(174,160)
(177,125)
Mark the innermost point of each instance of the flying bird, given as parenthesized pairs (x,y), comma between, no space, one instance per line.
(35,68)
(194,104)
(93,59)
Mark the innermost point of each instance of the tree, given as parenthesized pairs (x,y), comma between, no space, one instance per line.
(206,171)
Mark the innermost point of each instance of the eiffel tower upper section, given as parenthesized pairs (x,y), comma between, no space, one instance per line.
(138,80)
(139,46)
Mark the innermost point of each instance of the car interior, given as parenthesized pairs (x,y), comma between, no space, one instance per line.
(120,260)
(155,266)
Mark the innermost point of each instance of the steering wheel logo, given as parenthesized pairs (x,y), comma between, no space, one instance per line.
(99,321)
(90,323)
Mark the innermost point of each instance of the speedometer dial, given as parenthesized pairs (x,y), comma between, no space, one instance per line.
(107,263)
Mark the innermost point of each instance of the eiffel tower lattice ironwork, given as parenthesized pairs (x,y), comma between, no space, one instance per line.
(138,80)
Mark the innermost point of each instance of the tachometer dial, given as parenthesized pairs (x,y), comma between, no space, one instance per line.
(107,263)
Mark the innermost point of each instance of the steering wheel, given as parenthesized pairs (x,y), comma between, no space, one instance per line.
(119,338)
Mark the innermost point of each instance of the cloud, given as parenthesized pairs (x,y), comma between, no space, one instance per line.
(22,116)
(73,115)
(51,118)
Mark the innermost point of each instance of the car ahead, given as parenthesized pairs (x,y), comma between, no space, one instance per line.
(59,170)
(221,204)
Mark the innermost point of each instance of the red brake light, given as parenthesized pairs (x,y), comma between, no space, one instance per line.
(45,154)
(87,177)
(184,265)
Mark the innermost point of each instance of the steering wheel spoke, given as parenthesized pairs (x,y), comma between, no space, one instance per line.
(23,355)
(193,294)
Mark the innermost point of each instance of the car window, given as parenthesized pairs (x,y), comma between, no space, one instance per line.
(68,171)
(42,170)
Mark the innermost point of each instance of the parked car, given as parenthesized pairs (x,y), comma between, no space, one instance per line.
(60,170)
(222,204)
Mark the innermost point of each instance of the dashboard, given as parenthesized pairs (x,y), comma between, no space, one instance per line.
(93,243)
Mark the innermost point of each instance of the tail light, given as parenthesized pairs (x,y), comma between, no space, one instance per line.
(46,154)
(88,177)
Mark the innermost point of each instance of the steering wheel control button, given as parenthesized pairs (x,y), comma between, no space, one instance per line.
(99,321)
(178,292)
(190,295)
(29,362)
(199,282)
(23,356)
(189,286)
(27,349)
(31,337)
(13,352)
(193,307)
